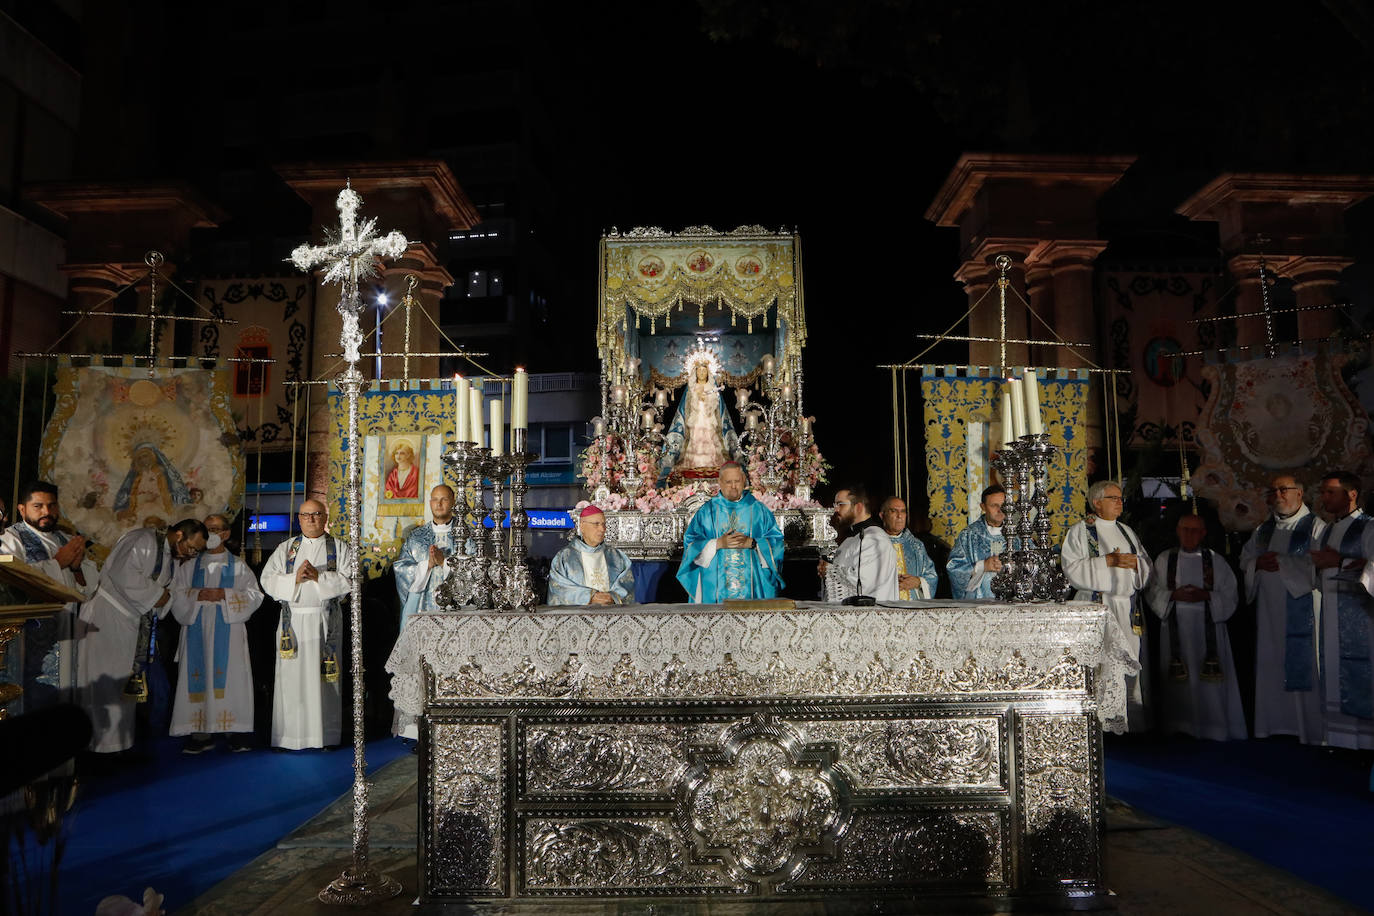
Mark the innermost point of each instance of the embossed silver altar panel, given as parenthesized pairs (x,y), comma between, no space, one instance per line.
(644,855)
(1060,776)
(944,754)
(463,808)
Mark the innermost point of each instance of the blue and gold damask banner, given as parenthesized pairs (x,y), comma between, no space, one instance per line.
(961,427)
(402,434)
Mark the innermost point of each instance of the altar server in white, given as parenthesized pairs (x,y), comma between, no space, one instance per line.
(309,575)
(865,563)
(420,568)
(1105,562)
(977,550)
(1194,593)
(36,540)
(212,597)
(916,572)
(1282,581)
(118,643)
(1343,557)
(588,570)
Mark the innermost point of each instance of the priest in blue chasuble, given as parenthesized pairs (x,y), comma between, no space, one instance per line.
(733,546)
(590,571)
(421,568)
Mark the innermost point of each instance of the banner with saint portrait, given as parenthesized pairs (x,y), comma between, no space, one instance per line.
(402,434)
(962,432)
(129,449)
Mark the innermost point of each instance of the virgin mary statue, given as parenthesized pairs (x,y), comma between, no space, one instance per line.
(701,437)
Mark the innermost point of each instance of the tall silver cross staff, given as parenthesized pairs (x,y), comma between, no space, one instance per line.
(350,255)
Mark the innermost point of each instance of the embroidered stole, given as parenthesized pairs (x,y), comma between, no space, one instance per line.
(1211,664)
(1299,634)
(35,551)
(195,638)
(333,613)
(145,649)
(902,593)
(1352,625)
(1095,550)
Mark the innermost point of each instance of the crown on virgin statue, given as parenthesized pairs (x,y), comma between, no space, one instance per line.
(697,355)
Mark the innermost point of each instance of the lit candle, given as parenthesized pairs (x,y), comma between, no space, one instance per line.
(618,394)
(647,418)
(1034,426)
(520,400)
(661,398)
(787,392)
(1018,409)
(768,363)
(498,433)
(460,408)
(1007,429)
(751,420)
(475,412)
(598,427)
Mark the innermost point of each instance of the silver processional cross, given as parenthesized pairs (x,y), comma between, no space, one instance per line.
(350,255)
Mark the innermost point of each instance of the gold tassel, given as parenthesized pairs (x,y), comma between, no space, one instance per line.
(287,647)
(136,687)
(329,668)
(701,314)
(1178,670)
(750,325)
(1211,670)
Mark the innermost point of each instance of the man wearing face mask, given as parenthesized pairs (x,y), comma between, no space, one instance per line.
(212,596)
(119,642)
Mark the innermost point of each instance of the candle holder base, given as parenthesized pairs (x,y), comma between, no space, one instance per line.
(360,888)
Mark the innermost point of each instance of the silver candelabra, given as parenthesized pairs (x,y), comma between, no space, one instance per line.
(768,423)
(1030,567)
(483,571)
(634,418)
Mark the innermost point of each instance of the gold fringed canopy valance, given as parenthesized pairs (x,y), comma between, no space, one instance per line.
(648,274)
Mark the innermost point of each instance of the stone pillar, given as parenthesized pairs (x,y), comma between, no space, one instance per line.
(1040,292)
(1317,280)
(422,262)
(1249,300)
(89,287)
(976,281)
(1075,319)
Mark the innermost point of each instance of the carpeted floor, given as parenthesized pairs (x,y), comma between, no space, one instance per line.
(1154,867)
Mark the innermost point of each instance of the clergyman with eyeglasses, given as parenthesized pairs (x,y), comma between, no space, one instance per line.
(309,575)
(1104,561)
(1281,579)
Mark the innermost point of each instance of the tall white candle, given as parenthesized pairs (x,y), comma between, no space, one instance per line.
(1018,409)
(1034,426)
(1007,428)
(475,412)
(498,432)
(520,399)
(460,408)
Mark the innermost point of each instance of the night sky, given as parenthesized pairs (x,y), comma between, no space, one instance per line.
(839,119)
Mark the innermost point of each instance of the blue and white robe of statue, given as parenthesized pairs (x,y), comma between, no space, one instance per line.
(712,574)
(912,560)
(977,542)
(579,570)
(676,437)
(415,581)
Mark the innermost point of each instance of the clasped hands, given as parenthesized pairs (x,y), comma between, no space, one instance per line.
(1190,594)
(71,554)
(436,557)
(733,540)
(1121,560)
(210,594)
(306,573)
(1330,557)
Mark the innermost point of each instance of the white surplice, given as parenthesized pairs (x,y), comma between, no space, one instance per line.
(1343,730)
(11,543)
(1118,590)
(864,559)
(1279,711)
(131,583)
(231,711)
(1203,709)
(306,709)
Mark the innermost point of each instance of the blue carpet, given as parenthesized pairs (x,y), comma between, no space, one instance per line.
(1306,810)
(182,823)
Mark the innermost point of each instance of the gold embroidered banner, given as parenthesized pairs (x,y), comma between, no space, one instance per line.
(961,427)
(647,273)
(129,450)
(1264,417)
(402,435)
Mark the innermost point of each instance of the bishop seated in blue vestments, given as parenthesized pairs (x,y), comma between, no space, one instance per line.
(733,547)
(590,571)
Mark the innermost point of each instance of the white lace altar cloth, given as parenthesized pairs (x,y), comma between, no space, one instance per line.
(695,639)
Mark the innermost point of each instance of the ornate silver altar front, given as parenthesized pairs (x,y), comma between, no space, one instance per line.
(703,752)
(658,535)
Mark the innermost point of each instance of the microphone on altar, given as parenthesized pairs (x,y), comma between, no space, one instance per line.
(860,600)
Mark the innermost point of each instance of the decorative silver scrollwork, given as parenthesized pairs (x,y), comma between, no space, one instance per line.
(914,754)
